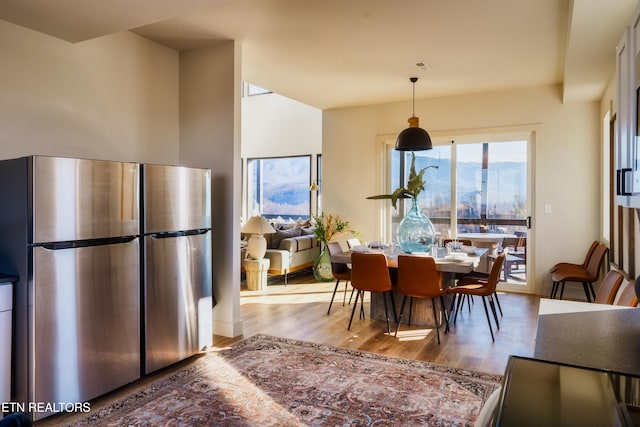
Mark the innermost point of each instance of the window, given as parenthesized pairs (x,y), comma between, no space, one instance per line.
(487,180)
(279,187)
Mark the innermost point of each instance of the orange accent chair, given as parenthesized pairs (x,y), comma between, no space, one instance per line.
(370,273)
(609,287)
(418,277)
(627,294)
(486,288)
(565,265)
(586,276)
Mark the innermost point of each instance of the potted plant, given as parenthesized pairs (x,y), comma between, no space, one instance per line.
(415,232)
(326,227)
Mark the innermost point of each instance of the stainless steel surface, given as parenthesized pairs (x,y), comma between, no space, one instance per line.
(76,311)
(178,298)
(75,199)
(86,316)
(176,198)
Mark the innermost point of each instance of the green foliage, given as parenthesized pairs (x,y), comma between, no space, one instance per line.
(328,225)
(415,185)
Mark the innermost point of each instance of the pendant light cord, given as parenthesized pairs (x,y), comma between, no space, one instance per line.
(414,80)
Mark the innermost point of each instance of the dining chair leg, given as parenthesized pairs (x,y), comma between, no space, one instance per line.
(444,313)
(344,298)
(453,304)
(435,318)
(593,293)
(458,305)
(353,311)
(393,306)
(486,312)
(495,294)
(561,289)
(386,313)
(351,296)
(404,300)
(468,299)
(333,296)
(361,304)
(585,286)
(554,288)
(493,309)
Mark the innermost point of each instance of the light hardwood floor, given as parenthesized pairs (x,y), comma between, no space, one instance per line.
(299,310)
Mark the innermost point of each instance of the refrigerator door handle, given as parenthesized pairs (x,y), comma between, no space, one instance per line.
(52,246)
(171,234)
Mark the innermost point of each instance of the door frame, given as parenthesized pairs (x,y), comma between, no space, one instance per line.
(528,132)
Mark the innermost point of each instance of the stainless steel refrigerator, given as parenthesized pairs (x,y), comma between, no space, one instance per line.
(70,231)
(177,263)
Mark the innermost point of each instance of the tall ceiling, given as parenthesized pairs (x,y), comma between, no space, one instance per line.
(337,53)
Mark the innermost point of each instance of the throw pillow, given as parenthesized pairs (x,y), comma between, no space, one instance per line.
(283,234)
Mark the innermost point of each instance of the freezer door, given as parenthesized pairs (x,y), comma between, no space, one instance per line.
(86,317)
(76,199)
(175,198)
(178,300)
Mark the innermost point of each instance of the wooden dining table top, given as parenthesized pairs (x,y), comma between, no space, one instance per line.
(443,264)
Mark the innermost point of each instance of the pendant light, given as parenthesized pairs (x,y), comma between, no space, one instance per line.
(413,138)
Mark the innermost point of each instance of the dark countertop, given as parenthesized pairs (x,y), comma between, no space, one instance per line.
(608,339)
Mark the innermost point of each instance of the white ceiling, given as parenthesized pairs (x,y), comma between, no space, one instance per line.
(336,53)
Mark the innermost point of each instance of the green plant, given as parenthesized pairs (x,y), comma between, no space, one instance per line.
(414,187)
(328,225)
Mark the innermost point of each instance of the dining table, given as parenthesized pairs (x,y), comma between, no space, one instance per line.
(449,266)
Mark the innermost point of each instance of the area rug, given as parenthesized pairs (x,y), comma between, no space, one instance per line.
(269,381)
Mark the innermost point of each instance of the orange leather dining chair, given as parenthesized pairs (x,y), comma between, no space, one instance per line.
(340,271)
(418,277)
(370,273)
(626,294)
(609,287)
(565,265)
(486,288)
(586,276)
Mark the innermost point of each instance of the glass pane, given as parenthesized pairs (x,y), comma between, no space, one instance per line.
(279,187)
(507,180)
(469,185)
(435,200)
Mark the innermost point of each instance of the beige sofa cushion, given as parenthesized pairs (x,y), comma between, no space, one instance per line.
(279,235)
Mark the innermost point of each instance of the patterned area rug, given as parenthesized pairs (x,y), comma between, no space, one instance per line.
(268,381)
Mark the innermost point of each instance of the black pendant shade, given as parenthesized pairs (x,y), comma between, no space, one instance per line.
(413,138)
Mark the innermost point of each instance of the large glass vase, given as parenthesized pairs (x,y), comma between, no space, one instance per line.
(416,232)
(322,266)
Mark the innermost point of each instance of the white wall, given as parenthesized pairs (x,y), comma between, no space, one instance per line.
(110,98)
(273,125)
(210,137)
(566,162)
(118,98)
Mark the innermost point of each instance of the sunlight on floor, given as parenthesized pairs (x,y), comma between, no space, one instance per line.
(414,334)
(235,388)
(296,294)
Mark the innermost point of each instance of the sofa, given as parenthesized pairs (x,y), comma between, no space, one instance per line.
(291,248)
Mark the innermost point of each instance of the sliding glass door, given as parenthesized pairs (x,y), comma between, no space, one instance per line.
(481,185)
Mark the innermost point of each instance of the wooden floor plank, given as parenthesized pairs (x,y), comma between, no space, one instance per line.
(299,311)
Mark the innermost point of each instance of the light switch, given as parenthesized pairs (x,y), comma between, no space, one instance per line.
(547,208)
